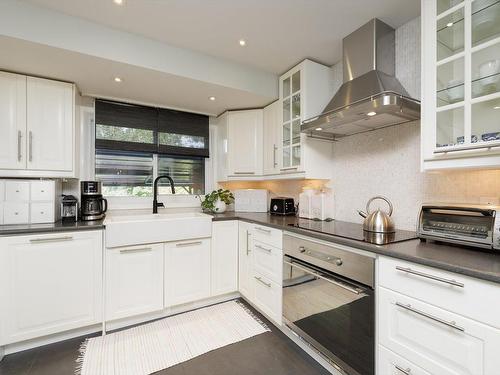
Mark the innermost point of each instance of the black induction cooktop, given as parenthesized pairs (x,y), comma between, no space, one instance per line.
(353,231)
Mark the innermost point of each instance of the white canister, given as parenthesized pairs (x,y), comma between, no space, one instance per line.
(322,206)
(305,200)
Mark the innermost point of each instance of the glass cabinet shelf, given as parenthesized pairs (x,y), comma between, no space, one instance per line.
(485,21)
(450,34)
(444,5)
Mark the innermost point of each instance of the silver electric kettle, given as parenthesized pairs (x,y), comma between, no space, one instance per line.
(378,221)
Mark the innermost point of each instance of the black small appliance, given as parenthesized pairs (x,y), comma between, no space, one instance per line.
(93,204)
(282,206)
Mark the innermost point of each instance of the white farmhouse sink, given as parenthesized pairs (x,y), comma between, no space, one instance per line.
(142,228)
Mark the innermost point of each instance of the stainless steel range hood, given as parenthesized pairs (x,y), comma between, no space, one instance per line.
(371,96)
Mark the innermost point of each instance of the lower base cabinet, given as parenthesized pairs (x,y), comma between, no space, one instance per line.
(187,271)
(224,258)
(49,283)
(437,340)
(134,280)
(245,283)
(267,296)
(390,363)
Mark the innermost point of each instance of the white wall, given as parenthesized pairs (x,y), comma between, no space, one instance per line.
(387,161)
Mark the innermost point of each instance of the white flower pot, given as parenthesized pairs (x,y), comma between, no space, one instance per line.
(220,206)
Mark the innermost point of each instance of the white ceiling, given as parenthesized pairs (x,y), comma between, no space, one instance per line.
(279,33)
(94,77)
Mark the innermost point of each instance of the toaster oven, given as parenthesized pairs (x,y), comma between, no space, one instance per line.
(472,225)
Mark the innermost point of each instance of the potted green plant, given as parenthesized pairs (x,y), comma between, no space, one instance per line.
(216,201)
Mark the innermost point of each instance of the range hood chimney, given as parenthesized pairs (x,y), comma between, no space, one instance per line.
(371,96)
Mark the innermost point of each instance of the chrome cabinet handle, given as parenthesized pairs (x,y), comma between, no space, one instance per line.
(429,316)
(259,279)
(138,250)
(288,168)
(248,238)
(185,244)
(404,371)
(19,137)
(316,274)
(264,248)
(432,277)
(275,164)
(244,172)
(263,230)
(53,239)
(474,147)
(30,157)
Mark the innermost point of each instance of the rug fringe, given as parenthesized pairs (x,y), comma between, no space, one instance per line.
(81,356)
(252,314)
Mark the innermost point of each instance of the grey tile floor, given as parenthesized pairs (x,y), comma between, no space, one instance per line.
(271,353)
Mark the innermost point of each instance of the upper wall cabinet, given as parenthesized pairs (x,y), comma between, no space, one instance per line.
(37,121)
(305,90)
(272,139)
(244,143)
(460,84)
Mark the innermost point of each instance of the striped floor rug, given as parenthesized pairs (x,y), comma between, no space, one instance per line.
(151,347)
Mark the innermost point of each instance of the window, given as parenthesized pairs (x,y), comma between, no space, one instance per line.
(135,144)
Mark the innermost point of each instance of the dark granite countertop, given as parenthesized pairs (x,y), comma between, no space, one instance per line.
(59,226)
(460,259)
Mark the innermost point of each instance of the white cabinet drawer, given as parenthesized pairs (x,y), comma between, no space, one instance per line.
(269,236)
(42,190)
(42,212)
(268,260)
(267,297)
(134,280)
(16,213)
(17,191)
(450,291)
(436,340)
(390,363)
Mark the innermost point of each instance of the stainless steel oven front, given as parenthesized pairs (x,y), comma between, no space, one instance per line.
(328,300)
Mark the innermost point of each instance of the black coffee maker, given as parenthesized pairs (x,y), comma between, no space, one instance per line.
(93,204)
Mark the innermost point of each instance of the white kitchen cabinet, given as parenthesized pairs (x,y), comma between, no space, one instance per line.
(272,139)
(16,212)
(49,283)
(224,257)
(390,363)
(244,143)
(245,284)
(268,261)
(50,130)
(460,84)
(187,271)
(12,121)
(134,280)
(438,341)
(305,90)
(267,296)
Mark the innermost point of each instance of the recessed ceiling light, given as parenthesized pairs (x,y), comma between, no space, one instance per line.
(119,2)
(118,79)
(212,98)
(496,107)
(319,129)
(449,24)
(243,42)
(371,113)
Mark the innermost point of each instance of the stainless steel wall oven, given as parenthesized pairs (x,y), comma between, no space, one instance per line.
(328,300)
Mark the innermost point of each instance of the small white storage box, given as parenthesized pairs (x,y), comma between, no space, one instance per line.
(251,200)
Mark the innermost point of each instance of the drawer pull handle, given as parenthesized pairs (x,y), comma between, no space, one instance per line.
(264,248)
(53,239)
(259,279)
(19,136)
(244,173)
(248,242)
(263,230)
(432,277)
(404,371)
(429,316)
(138,250)
(185,244)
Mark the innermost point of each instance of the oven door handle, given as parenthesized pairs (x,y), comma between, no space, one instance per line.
(318,275)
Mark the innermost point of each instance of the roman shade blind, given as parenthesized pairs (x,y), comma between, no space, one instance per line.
(127,127)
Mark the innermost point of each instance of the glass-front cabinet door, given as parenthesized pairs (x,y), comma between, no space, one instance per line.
(290,87)
(467,74)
